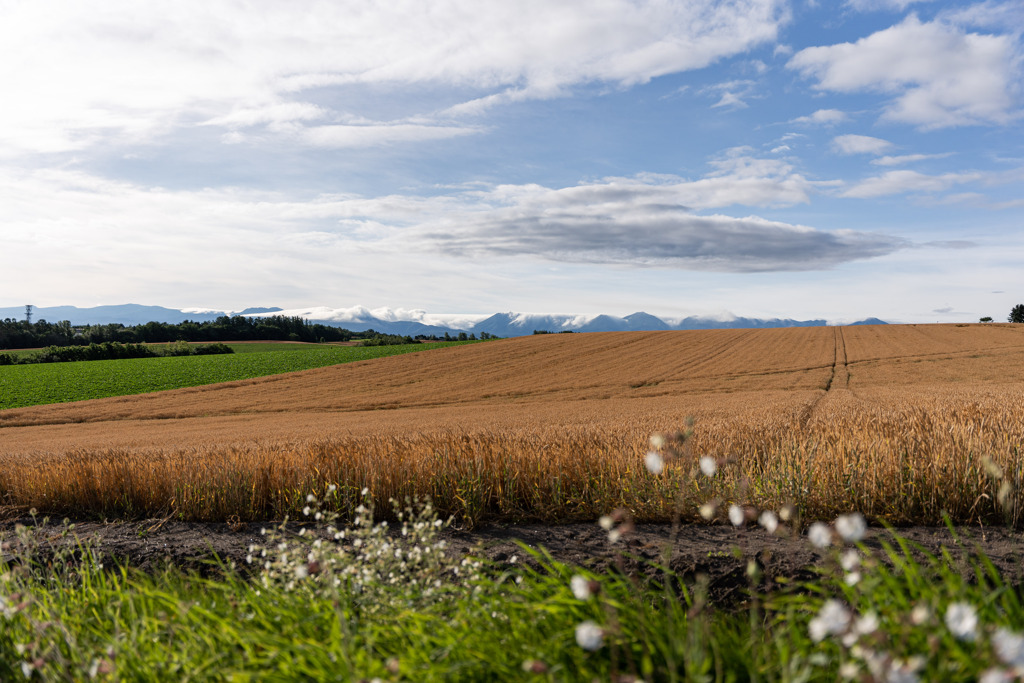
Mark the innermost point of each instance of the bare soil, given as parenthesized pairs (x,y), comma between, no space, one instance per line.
(715,553)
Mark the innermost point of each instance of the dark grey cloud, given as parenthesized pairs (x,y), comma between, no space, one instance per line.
(668,238)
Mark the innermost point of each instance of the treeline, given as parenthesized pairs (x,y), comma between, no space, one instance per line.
(112,351)
(20,334)
(461,336)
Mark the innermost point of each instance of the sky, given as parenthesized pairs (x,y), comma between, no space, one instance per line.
(833,159)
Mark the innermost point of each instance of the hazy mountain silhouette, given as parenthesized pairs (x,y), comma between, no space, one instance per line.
(500,324)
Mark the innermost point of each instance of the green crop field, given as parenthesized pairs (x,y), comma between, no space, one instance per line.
(27,385)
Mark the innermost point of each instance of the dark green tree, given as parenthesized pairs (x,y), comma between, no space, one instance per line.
(1017,314)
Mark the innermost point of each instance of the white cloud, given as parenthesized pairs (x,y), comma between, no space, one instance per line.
(357,313)
(372,135)
(936,74)
(906,159)
(874,5)
(999,16)
(235,242)
(74,75)
(731,94)
(823,117)
(280,112)
(860,144)
(901,182)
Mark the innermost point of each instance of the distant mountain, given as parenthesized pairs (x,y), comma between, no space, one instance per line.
(646,321)
(499,324)
(254,311)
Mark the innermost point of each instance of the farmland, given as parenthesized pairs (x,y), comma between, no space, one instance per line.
(25,385)
(904,423)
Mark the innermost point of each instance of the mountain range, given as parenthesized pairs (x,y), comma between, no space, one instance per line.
(412,323)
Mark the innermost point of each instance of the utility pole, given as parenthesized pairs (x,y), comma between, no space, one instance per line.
(28,314)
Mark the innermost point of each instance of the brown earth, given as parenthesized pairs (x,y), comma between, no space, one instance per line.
(657,378)
(719,554)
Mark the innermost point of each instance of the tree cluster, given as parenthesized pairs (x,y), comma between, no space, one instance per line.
(1017,314)
(112,351)
(20,334)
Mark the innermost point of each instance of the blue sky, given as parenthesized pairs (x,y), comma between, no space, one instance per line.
(761,158)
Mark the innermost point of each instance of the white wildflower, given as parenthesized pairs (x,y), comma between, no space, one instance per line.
(365,492)
(736,515)
(820,535)
(850,560)
(657,441)
(589,636)
(994,675)
(866,624)
(654,462)
(580,587)
(833,618)
(1009,647)
(852,527)
(310,498)
(962,621)
(606,522)
(614,535)
(769,520)
(920,614)
(708,511)
(902,672)
(306,511)
(849,671)
(301,571)
(27,669)
(708,466)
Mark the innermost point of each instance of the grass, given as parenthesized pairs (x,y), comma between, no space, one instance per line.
(361,603)
(28,385)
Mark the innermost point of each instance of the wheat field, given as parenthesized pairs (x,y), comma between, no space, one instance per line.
(905,423)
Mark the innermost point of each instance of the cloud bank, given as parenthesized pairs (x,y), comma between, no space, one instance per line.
(128,73)
(936,74)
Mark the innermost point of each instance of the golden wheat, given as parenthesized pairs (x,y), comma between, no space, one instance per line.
(905,423)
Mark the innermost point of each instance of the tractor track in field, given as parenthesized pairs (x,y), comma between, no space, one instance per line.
(838,380)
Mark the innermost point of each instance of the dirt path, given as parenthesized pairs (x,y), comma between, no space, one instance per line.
(720,553)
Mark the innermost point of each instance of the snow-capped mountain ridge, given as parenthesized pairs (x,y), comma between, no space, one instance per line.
(413,321)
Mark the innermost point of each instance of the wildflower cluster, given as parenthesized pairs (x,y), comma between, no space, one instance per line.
(875,643)
(363,558)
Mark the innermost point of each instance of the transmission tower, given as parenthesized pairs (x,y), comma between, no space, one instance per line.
(28,314)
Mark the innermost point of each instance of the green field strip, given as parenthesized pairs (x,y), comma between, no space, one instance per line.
(38,384)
